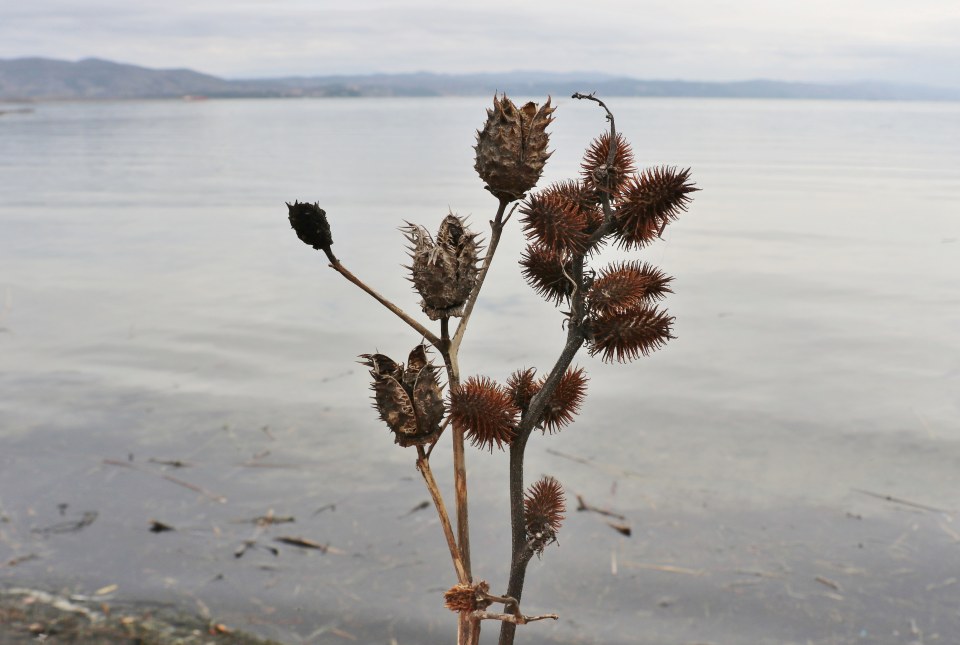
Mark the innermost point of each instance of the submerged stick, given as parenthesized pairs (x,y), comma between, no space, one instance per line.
(900,500)
(170,478)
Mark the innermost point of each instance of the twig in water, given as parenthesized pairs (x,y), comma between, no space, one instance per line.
(583,506)
(170,478)
(899,500)
(303,543)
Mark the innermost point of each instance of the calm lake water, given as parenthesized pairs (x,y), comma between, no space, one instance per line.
(789,466)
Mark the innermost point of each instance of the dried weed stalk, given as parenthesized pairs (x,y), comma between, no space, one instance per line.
(613,310)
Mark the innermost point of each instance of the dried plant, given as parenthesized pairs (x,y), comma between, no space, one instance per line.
(611,309)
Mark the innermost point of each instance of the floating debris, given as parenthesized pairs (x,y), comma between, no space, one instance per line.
(156,526)
(88,518)
(303,543)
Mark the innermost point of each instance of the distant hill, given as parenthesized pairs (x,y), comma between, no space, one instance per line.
(91,78)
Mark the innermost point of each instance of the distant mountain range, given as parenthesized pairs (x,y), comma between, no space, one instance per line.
(31,79)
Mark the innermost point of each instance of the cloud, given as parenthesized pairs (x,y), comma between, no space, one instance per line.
(815,40)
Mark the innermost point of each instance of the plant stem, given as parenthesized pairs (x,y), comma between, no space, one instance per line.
(423,331)
(468,629)
(423,465)
(520,550)
(496,228)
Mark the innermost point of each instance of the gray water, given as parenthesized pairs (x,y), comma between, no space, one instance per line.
(155,306)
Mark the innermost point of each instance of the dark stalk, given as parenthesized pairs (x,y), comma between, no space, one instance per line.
(521,552)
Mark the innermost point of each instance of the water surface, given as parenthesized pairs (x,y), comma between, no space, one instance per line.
(154,305)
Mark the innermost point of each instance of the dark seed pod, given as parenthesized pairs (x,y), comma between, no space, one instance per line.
(485,412)
(625,286)
(554,221)
(564,404)
(444,271)
(544,505)
(602,176)
(626,334)
(649,202)
(310,223)
(512,147)
(522,386)
(547,272)
(408,400)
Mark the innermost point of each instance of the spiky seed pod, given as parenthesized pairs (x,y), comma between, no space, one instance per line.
(544,505)
(464,597)
(443,271)
(649,202)
(543,270)
(512,147)
(626,285)
(484,411)
(602,177)
(522,386)
(624,335)
(408,400)
(584,197)
(553,220)
(564,404)
(310,223)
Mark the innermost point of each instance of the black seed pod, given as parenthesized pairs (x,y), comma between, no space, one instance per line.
(310,223)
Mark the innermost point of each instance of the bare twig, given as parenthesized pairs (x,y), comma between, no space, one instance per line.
(900,500)
(584,506)
(512,619)
(169,478)
(402,315)
(496,228)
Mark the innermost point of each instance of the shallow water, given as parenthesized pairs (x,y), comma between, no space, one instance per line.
(154,305)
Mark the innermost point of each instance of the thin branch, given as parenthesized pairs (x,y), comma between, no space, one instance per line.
(450,361)
(423,331)
(612,154)
(510,618)
(170,478)
(496,228)
(423,465)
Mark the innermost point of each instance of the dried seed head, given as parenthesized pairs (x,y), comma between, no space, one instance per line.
(650,201)
(625,286)
(522,387)
(553,218)
(484,411)
(544,505)
(600,176)
(546,271)
(408,400)
(443,271)
(564,404)
(624,335)
(464,597)
(310,223)
(512,147)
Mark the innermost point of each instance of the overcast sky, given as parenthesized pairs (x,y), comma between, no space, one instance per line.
(802,40)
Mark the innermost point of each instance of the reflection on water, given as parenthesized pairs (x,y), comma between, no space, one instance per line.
(155,307)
